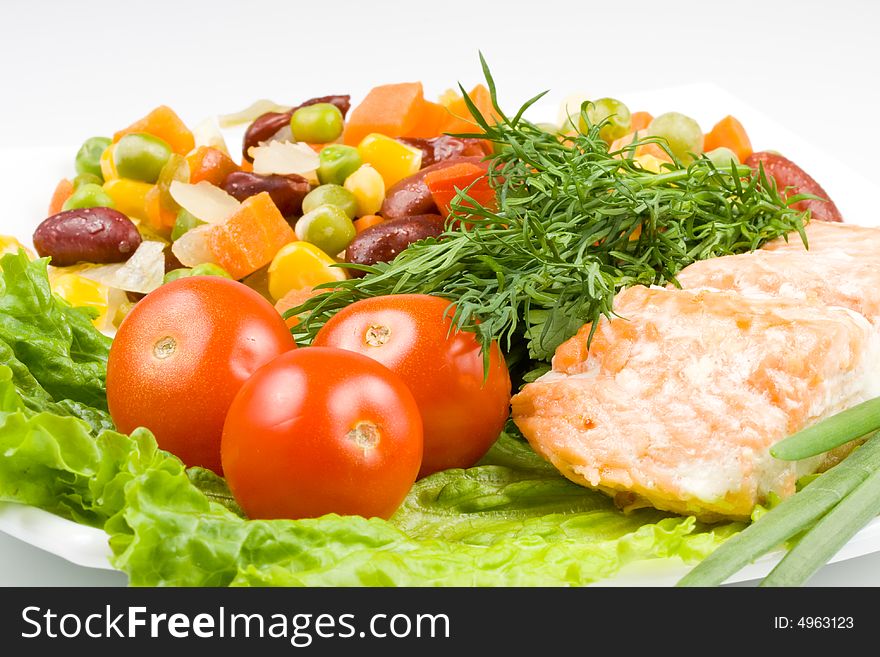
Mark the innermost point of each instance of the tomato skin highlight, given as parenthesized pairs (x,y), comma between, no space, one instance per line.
(318,431)
(409,333)
(180,357)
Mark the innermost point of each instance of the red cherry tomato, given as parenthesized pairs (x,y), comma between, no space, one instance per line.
(410,334)
(181,355)
(320,431)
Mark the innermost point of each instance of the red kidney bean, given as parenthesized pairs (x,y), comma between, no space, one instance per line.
(262,129)
(444,147)
(411,196)
(171,261)
(287,191)
(382,242)
(268,124)
(787,174)
(98,235)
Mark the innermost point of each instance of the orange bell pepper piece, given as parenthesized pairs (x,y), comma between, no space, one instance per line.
(162,122)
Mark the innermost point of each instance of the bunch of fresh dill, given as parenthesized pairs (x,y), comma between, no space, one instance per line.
(573,225)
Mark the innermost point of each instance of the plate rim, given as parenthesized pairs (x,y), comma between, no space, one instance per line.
(88,546)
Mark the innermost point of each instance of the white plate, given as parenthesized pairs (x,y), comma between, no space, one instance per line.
(31,175)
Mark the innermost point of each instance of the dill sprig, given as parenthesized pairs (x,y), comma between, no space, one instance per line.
(574,224)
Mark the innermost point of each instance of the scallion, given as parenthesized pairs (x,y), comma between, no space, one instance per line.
(835,431)
(794,515)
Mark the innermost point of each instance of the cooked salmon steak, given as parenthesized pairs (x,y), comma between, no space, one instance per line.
(842,268)
(678,399)
(823,237)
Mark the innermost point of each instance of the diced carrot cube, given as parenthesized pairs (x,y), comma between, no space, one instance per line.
(211,164)
(641,120)
(390,109)
(162,122)
(651,148)
(62,192)
(432,117)
(459,117)
(445,183)
(159,217)
(367,221)
(730,133)
(293,299)
(251,237)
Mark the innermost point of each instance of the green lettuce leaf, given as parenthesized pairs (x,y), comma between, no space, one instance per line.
(511,520)
(58,359)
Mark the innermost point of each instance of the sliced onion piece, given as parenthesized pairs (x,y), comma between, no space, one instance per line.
(204,201)
(284,157)
(250,113)
(192,247)
(207,133)
(142,272)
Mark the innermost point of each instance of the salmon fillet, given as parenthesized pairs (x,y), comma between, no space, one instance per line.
(824,237)
(679,399)
(833,277)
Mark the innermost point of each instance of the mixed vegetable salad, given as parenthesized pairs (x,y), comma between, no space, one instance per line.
(423,259)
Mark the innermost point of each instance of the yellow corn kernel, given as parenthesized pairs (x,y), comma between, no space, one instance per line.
(649,163)
(368,188)
(9,244)
(300,265)
(129,196)
(78,290)
(108,166)
(391,158)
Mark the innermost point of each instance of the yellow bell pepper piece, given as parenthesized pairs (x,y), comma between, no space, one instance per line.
(392,159)
(108,166)
(368,188)
(9,244)
(78,291)
(301,265)
(129,196)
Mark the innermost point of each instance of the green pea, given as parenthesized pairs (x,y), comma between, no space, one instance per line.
(317,124)
(88,157)
(682,133)
(185,222)
(331,195)
(722,156)
(86,179)
(338,162)
(615,113)
(88,196)
(139,156)
(210,269)
(174,274)
(327,227)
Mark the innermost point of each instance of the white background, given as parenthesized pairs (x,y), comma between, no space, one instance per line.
(69,70)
